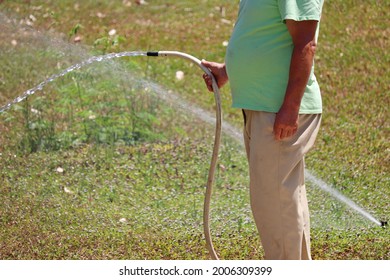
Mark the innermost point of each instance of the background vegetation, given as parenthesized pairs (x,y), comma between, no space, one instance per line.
(98,166)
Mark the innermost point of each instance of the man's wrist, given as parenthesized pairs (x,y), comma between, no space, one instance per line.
(292,106)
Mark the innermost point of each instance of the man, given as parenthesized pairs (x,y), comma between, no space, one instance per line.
(269,64)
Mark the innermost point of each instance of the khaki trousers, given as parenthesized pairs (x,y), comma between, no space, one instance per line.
(277,184)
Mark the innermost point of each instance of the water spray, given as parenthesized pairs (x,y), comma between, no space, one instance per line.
(218,126)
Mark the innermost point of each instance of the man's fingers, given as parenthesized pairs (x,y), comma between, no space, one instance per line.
(206,63)
(208,81)
(282,133)
(277,133)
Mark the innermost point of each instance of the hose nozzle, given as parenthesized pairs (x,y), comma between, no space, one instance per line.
(383,224)
(152,53)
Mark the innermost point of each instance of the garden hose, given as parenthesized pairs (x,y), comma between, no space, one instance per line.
(213,164)
(218,128)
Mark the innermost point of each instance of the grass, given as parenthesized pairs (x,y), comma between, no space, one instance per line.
(97,202)
(97,167)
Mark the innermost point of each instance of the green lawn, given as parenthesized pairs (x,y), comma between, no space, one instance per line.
(97,166)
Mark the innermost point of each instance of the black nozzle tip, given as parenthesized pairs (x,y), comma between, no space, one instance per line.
(383,224)
(152,53)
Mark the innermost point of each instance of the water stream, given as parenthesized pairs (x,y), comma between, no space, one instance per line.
(77,66)
(200,113)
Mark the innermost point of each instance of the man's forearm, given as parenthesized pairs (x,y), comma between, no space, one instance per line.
(300,69)
(302,34)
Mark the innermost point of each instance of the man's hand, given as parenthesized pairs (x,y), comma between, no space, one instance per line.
(219,72)
(286,123)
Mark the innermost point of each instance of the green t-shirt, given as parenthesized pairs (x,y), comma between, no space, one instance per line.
(259,54)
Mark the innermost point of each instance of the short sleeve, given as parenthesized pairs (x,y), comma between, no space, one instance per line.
(300,9)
